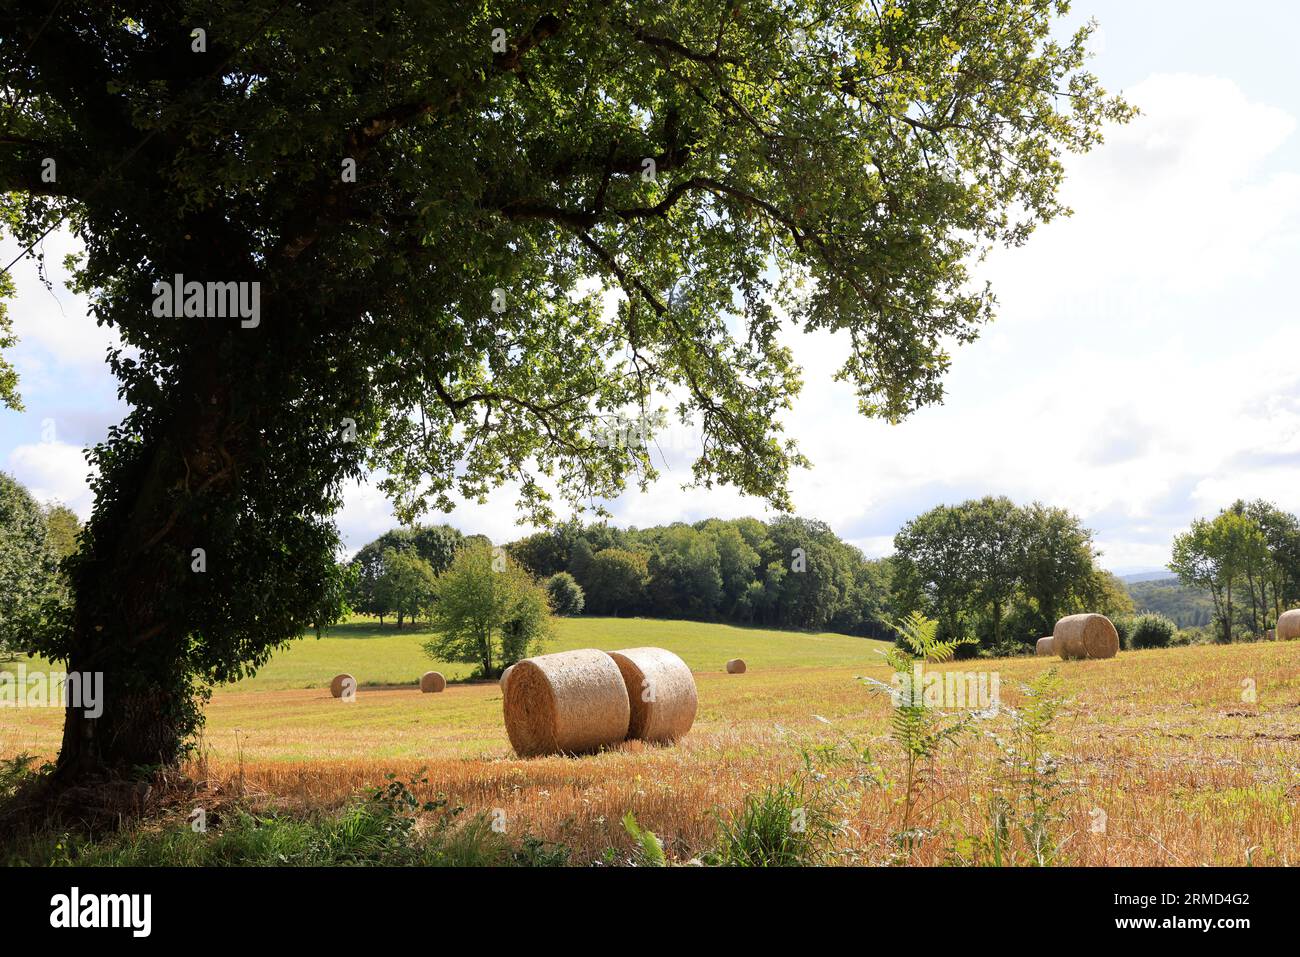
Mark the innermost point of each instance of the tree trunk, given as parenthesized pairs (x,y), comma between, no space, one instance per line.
(1227,628)
(129,622)
(136,574)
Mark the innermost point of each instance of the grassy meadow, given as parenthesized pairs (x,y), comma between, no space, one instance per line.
(1157,757)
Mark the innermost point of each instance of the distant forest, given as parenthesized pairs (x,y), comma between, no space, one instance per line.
(987,569)
(1188,607)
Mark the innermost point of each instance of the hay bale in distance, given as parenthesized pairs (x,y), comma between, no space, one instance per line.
(569,702)
(504,675)
(339,682)
(1085,636)
(1044,646)
(660,691)
(431,682)
(736,666)
(1288,625)
(1270,635)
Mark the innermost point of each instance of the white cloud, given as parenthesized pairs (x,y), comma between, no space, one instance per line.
(53,320)
(54,471)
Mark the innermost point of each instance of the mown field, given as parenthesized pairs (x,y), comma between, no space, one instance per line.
(1156,757)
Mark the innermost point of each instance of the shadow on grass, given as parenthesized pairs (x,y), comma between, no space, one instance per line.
(371,629)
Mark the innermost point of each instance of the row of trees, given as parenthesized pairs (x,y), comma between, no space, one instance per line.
(790,573)
(1001,573)
(1248,559)
(987,569)
(786,573)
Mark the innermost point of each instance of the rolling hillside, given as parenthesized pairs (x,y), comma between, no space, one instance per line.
(383,656)
(1188,607)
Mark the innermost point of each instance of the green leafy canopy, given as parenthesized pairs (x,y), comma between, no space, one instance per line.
(833,166)
(445,316)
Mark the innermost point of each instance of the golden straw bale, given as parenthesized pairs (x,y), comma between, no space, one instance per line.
(660,691)
(569,702)
(341,682)
(1085,636)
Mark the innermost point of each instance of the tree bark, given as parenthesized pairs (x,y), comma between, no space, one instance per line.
(1227,624)
(125,628)
(134,570)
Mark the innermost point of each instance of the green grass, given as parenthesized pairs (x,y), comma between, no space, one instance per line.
(284,714)
(385,656)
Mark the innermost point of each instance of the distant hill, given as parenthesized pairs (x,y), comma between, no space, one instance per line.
(1167,596)
(1159,574)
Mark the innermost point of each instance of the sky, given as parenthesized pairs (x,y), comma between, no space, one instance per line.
(1142,370)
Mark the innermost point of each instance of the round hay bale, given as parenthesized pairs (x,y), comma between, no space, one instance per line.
(339,682)
(569,702)
(1270,635)
(1085,636)
(504,675)
(660,691)
(736,666)
(431,682)
(1044,646)
(1288,625)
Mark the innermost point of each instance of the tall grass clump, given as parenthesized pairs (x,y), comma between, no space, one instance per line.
(783,825)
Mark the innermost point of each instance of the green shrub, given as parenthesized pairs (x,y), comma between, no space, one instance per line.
(1197,635)
(566,594)
(649,849)
(14,773)
(1124,625)
(489,611)
(1150,631)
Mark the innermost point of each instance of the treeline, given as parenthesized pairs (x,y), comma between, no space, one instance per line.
(1001,573)
(785,573)
(393,576)
(1248,560)
(986,569)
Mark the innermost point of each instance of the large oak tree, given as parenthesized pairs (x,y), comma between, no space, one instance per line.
(726,170)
